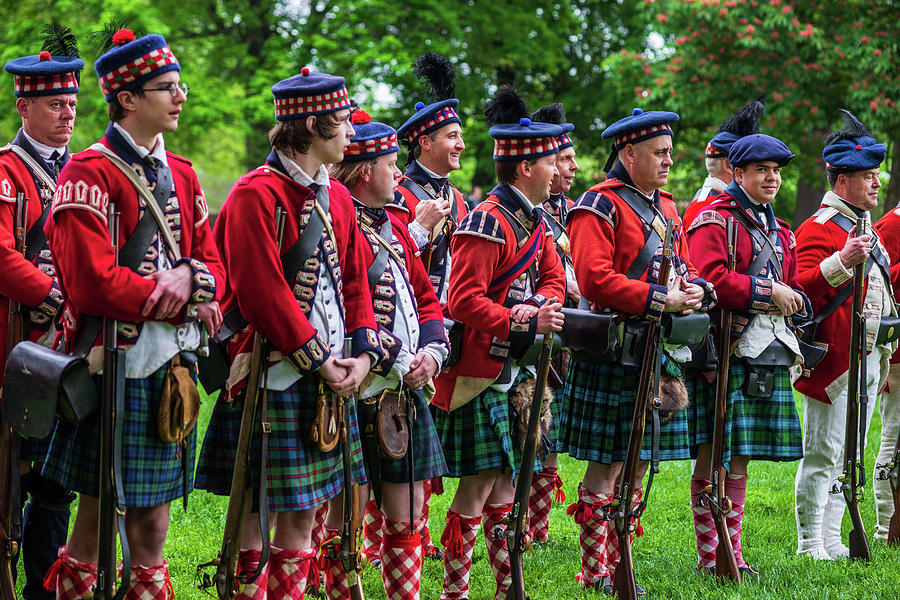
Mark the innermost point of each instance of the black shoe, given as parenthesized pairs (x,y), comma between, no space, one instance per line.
(749,573)
(607,586)
(436,554)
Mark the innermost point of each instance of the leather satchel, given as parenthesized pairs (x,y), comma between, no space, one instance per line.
(391,425)
(179,406)
(40,384)
(591,336)
(685,330)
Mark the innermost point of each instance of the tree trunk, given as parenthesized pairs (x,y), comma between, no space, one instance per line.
(892,194)
(809,197)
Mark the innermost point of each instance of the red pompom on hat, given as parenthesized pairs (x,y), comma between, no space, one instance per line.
(858,147)
(44,56)
(304,71)
(360,117)
(122,37)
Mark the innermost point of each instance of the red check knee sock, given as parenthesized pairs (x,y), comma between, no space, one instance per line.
(401,556)
(593,537)
(248,561)
(149,583)
(736,489)
(498,550)
(704,526)
(71,578)
(288,570)
(459,543)
(314,573)
(546,486)
(373,522)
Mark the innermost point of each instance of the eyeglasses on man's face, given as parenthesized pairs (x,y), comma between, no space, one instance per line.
(172,88)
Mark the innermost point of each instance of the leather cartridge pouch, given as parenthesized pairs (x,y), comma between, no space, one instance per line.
(40,384)
(179,406)
(813,352)
(761,370)
(531,354)
(705,354)
(634,342)
(326,429)
(888,330)
(684,330)
(392,425)
(455,336)
(591,336)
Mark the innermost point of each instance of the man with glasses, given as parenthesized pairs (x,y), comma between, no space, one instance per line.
(828,247)
(160,304)
(46,87)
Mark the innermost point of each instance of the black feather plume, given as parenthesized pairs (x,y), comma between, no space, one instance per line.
(59,41)
(746,121)
(853,128)
(505,107)
(437,72)
(552,113)
(102,40)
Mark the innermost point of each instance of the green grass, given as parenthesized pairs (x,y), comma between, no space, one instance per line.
(665,557)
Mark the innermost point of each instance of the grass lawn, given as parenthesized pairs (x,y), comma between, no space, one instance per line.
(665,557)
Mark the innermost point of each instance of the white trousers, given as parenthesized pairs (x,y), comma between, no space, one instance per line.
(890,424)
(818,512)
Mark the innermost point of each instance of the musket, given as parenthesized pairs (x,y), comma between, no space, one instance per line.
(226,578)
(852,479)
(10,491)
(623,510)
(516,537)
(714,496)
(110,511)
(893,475)
(351,520)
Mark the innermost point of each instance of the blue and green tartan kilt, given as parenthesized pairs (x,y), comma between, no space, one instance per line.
(152,469)
(429,456)
(761,428)
(34,450)
(478,436)
(300,476)
(597,409)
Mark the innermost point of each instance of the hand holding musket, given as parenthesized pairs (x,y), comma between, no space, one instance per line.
(516,537)
(853,478)
(226,578)
(714,495)
(10,494)
(623,511)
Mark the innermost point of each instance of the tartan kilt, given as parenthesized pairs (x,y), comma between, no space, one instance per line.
(34,450)
(429,456)
(152,469)
(761,428)
(596,412)
(478,437)
(300,476)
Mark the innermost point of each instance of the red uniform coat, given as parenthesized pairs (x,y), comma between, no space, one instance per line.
(20,279)
(245,234)
(712,187)
(431,321)
(888,229)
(606,236)
(79,236)
(484,246)
(817,239)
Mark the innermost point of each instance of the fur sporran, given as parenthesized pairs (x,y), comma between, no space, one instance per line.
(520,405)
(673,396)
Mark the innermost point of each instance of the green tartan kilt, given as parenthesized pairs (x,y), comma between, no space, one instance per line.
(300,476)
(760,428)
(478,436)
(152,469)
(34,450)
(429,457)
(597,409)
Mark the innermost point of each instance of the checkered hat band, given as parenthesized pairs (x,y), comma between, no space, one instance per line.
(564,140)
(445,114)
(714,152)
(296,106)
(524,147)
(372,146)
(141,66)
(633,136)
(25,84)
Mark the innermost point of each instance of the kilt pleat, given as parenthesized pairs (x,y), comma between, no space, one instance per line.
(596,411)
(429,456)
(152,469)
(760,428)
(300,476)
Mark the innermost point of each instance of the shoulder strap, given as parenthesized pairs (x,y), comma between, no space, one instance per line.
(376,269)
(34,238)
(417,190)
(766,244)
(841,296)
(153,206)
(883,262)
(651,245)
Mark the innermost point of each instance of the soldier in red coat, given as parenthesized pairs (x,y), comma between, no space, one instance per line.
(160,304)
(828,247)
(721,172)
(765,297)
(411,330)
(305,316)
(616,230)
(546,485)
(425,200)
(46,87)
(502,294)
